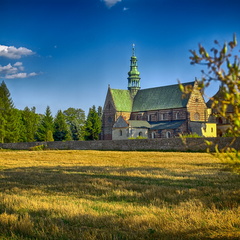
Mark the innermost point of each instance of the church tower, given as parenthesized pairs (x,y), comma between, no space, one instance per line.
(133,75)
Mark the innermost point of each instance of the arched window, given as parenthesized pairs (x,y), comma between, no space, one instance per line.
(196,116)
(168,134)
(140,134)
(177,115)
(120,132)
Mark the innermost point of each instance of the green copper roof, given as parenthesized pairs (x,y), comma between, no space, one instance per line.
(122,100)
(160,98)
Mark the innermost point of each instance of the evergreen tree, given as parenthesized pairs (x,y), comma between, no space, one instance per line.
(9,117)
(46,127)
(61,129)
(100,112)
(75,118)
(30,122)
(93,125)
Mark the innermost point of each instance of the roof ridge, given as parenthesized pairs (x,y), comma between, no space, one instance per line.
(167,86)
(119,89)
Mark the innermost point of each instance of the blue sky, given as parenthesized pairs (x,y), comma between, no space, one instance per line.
(64,53)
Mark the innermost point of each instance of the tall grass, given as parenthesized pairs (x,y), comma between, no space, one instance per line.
(117,195)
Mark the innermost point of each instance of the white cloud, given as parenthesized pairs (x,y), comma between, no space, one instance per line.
(111,3)
(125,9)
(13,52)
(8,69)
(18,64)
(21,75)
(32,74)
(17,75)
(15,71)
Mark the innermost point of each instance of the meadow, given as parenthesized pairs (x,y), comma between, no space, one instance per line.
(117,195)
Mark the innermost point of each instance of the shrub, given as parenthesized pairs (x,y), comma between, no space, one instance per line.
(38,148)
(192,135)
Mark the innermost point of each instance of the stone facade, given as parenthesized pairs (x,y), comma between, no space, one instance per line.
(196,106)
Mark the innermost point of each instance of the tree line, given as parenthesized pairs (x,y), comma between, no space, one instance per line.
(28,126)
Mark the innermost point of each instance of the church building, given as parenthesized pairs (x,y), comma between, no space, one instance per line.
(160,112)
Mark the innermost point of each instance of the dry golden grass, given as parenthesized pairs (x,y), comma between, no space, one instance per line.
(117,195)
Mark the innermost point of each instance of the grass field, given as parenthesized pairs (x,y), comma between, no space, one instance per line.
(117,195)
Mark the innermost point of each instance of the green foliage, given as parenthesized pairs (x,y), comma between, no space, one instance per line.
(193,135)
(49,136)
(93,125)
(75,118)
(9,117)
(61,129)
(100,111)
(223,66)
(38,148)
(139,137)
(46,127)
(30,121)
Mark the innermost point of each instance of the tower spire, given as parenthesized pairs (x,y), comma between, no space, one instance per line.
(133,50)
(133,74)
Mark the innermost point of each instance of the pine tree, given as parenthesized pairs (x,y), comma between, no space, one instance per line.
(9,117)
(75,118)
(46,127)
(93,125)
(61,129)
(30,122)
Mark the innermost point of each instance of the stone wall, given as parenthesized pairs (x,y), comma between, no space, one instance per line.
(172,144)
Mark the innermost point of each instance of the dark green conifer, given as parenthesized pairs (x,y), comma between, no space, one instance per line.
(61,129)
(93,125)
(9,117)
(46,127)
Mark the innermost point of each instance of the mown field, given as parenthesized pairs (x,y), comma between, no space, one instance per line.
(117,195)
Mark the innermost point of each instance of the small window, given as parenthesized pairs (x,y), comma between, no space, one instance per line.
(120,132)
(140,134)
(177,115)
(211,129)
(196,100)
(168,134)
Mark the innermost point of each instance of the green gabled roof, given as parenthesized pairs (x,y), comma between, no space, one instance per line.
(160,98)
(122,100)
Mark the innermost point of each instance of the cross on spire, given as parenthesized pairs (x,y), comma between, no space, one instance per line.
(133,49)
